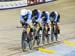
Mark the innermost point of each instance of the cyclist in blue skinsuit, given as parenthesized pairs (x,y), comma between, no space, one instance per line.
(45,17)
(55,15)
(25,16)
(45,22)
(36,16)
(54,18)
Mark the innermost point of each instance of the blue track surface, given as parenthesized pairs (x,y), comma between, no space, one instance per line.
(60,50)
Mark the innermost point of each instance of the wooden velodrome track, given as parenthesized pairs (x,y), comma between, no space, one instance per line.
(10,36)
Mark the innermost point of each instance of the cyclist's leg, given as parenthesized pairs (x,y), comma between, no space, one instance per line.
(56,36)
(58,27)
(56,31)
(22,23)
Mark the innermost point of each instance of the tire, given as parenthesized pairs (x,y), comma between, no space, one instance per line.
(30,45)
(38,38)
(43,36)
(23,40)
(30,41)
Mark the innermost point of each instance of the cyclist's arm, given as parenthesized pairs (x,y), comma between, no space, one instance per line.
(29,17)
(39,15)
(48,21)
(21,19)
(56,16)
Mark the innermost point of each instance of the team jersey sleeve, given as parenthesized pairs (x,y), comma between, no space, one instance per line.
(56,16)
(21,19)
(39,15)
(47,14)
(29,16)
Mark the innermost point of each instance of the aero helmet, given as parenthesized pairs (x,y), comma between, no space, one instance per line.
(23,12)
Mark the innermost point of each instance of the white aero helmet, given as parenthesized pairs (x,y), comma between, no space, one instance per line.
(23,12)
